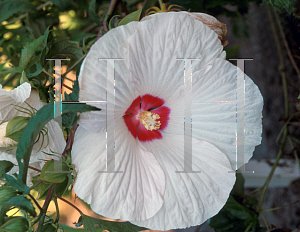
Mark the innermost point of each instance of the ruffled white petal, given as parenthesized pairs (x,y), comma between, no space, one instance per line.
(216,122)
(93,77)
(53,142)
(134,194)
(158,42)
(190,198)
(9,98)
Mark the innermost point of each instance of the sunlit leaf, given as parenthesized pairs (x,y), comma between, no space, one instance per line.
(20,202)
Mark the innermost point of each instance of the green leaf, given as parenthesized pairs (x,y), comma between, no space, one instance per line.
(236,209)
(16,184)
(33,128)
(63,4)
(60,48)
(6,192)
(111,22)
(39,69)
(92,13)
(20,202)
(134,16)
(5,166)
(15,127)
(15,224)
(54,171)
(49,227)
(62,188)
(75,93)
(69,120)
(42,188)
(39,24)
(90,222)
(238,187)
(28,51)
(234,217)
(10,7)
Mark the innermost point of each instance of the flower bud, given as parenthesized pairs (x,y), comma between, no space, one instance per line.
(15,127)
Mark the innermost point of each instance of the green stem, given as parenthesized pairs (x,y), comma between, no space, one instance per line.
(265,186)
(249,227)
(109,12)
(265,221)
(286,44)
(286,123)
(42,214)
(294,151)
(57,209)
(286,103)
(35,202)
(276,208)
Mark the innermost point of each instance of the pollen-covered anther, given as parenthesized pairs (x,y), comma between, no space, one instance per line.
(148,119)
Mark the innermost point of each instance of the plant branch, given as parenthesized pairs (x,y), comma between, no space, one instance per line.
(294,151)
(109,13)
(73,66)
(284,206)
(52,77)
(35,202)
(42,214)
(69,203)
(35,169)
(265,221)
(286,103)
(286,45)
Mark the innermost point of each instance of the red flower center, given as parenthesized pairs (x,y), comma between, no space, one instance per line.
(146,117)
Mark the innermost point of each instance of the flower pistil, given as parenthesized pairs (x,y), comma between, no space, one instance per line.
(148,119)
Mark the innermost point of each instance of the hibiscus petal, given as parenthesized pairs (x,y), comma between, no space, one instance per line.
(134,194)
(10,98)
(163,113)
(156,45)
(147,135)
(135,107)
(93,77)
(216,122)
(53,142)
(132,124)
(190,198)
(149,102)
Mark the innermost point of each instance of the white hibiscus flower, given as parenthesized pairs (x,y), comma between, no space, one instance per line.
(10,106)
(149,124)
